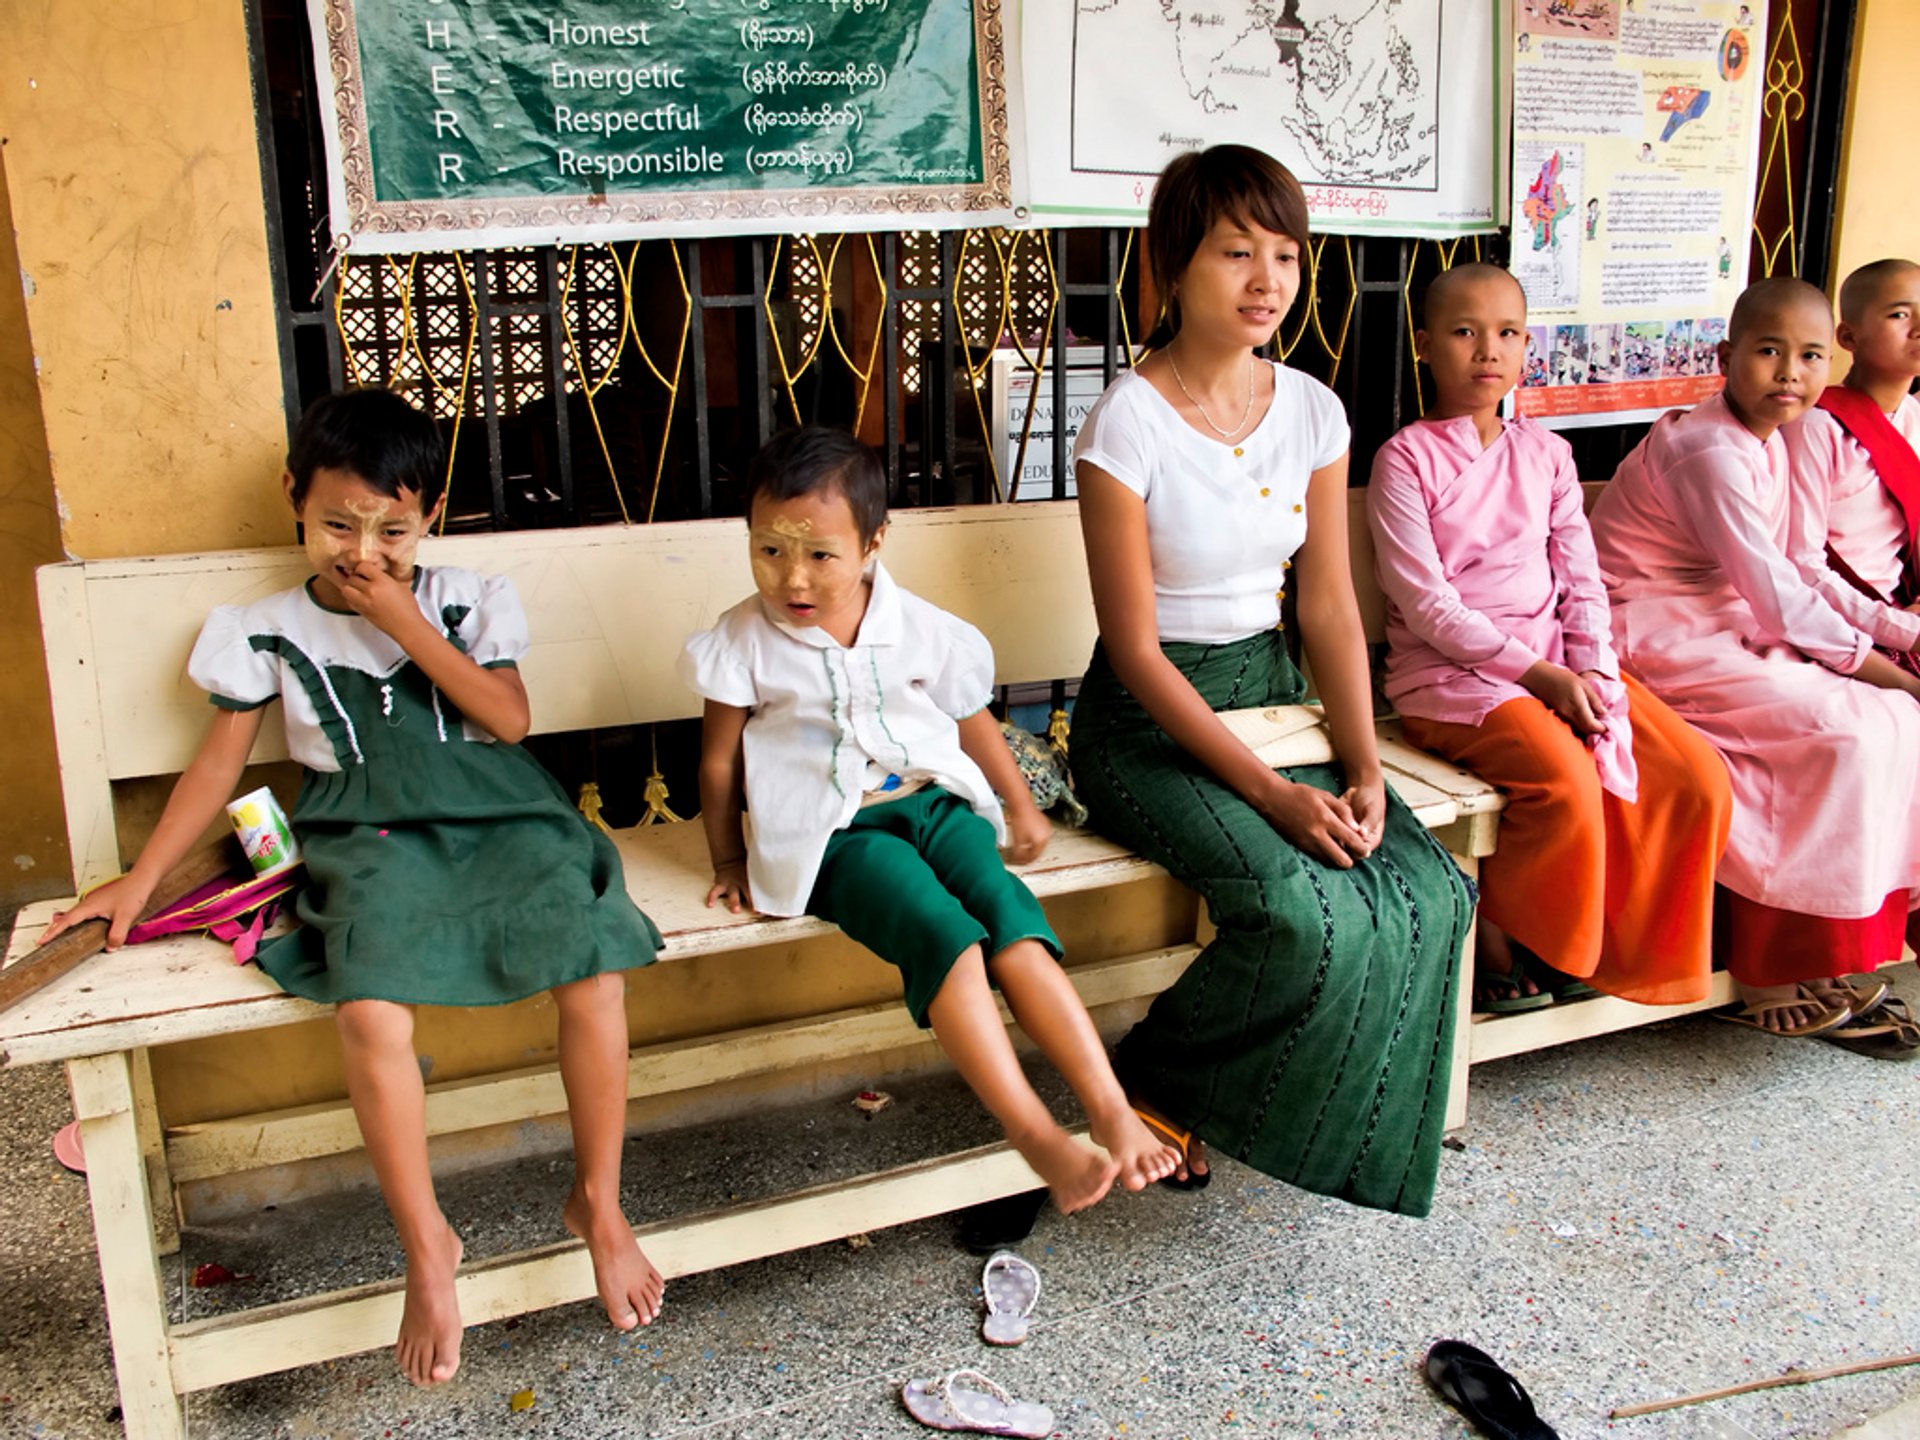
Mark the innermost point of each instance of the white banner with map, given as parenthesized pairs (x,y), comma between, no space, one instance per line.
(1635,144)
(1390,112)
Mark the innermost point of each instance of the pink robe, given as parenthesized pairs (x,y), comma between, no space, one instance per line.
(1488,566)
(1839,501)
(1711,614)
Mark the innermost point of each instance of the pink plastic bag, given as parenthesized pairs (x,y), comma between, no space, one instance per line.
(228,908)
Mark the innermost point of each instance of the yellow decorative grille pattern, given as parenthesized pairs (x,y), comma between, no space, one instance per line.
(1783,104)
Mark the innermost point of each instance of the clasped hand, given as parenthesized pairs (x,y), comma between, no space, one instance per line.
(1337,829)
(1575,698)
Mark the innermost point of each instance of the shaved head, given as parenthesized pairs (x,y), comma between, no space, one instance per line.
(1864,286)
(1779,295)
(1446,287)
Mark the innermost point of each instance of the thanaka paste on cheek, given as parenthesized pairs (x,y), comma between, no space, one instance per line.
(324,548)
(374,518)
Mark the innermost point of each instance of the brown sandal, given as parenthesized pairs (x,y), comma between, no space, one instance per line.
(1890,1033)
(1860,1000)
(1831,1017)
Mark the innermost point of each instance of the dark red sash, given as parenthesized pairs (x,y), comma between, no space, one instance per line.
(1899,470)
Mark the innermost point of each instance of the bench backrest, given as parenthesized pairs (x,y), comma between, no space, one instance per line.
(608,608)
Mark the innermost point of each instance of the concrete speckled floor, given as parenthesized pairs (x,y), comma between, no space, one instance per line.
(1639,1216)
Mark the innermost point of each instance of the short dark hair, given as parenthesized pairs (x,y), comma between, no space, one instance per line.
(1862,287)
(814,458)
(377,436)
(1237,182)
(1436,291)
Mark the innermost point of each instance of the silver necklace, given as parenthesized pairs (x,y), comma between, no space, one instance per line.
(1246,415)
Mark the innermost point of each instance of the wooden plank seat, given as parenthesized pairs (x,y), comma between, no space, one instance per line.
(608,610)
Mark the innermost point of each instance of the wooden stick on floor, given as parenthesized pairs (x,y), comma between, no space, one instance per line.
(1792,1377)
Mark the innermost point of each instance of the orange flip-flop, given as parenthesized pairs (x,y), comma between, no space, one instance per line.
(1181,1140)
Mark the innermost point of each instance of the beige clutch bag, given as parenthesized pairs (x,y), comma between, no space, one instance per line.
(1282,735)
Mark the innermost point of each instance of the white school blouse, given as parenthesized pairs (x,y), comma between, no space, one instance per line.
(1222,520)
(831,722)
(248,655)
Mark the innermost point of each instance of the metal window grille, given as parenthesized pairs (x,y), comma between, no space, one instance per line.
(632,382)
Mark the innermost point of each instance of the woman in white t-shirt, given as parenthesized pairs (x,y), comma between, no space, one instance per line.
(1311,1038)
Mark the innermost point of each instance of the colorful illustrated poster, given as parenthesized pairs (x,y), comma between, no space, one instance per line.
(1389,111)
(1635,140)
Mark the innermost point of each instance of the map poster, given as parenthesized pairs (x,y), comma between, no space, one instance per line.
(501,122)
(1390,112)
(1635,146)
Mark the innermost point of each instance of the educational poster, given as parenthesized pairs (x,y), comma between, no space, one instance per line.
(458,123)
(1635,145)
(1390,112)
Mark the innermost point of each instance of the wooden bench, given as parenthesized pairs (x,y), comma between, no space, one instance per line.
(141,1031)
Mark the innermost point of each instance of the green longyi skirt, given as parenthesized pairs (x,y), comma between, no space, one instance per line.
(1312,1038)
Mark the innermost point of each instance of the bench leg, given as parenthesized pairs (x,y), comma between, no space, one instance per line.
(1462,1016)
(153,1153)
(103,1089)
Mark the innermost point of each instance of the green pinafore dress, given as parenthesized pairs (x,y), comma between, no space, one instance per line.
(444,867)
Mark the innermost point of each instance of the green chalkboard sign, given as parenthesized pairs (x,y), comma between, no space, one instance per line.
(480,122)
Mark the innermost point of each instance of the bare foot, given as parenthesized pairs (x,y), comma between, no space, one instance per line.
(1143,1157)
(1077,1177)
(1787,1017)
(1497,971)
(630,1288)
(428,1350)
(1192,1164)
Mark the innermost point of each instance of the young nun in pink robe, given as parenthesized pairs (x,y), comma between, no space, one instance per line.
(1856,463)
(1501,660)
(1821,735)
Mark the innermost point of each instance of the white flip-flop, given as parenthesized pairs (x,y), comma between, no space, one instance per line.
(968,1400)
(1011,1287)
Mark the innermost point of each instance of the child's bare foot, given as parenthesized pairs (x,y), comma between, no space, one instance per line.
(629,1286)
(1141,1155)
(428,1350)
(1077,1177)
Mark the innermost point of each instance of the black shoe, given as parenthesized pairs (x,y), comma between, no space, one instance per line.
(996,1224)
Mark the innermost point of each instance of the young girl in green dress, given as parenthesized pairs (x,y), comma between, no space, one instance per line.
(445,866)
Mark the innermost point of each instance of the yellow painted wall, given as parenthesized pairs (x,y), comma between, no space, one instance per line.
(33,841)
(135,178)
(139,364)
(1874,217)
